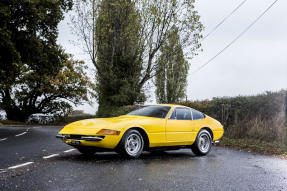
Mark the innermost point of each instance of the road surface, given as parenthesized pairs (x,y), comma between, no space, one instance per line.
(31,158)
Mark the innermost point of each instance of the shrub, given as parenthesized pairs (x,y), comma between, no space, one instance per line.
(122,110)
(261,117)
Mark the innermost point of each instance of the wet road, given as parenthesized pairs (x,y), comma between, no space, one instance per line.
(48,164)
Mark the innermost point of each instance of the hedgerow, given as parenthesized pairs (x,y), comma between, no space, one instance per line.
(261,117)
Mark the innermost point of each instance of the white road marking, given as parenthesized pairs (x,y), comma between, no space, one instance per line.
(21,134)
(20,165)
(3,139)
(50,156)
(70,150)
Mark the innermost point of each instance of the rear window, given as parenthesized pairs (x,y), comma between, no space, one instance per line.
(157,111)
(197,115)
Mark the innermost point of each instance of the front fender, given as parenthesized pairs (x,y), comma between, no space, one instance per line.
(141,130)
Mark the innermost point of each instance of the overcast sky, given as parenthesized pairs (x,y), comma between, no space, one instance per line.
(256,63)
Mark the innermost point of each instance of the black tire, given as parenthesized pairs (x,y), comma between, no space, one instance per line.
(202,144)
(87,150)
(131,144)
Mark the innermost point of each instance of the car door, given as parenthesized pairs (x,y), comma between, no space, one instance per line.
(153,121)
(179,127)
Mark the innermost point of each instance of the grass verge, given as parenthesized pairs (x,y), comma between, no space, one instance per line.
(256,146)
(8,122)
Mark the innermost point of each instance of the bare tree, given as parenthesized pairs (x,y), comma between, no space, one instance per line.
(158,18)
(83,22)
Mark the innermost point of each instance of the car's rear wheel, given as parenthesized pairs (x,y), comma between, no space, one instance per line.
(87,150)
(202,144)
(132,144)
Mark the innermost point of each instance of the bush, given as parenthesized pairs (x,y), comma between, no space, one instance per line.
(111,112)
(71,119)
(261,117)
(114,112)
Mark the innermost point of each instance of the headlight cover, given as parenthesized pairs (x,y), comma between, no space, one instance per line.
(108,132)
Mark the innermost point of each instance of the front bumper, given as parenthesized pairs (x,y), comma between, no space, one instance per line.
(84,138)
(107,141)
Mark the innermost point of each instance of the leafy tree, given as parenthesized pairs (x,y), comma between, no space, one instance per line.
(119,61)
(156,19)
(36,76)
(172,71)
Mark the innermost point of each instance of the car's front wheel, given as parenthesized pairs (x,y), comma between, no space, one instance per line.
(132,144)
(202,144)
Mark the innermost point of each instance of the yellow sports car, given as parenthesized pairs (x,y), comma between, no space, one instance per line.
(150,128)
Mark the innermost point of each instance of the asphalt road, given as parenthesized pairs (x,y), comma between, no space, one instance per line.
(31,158)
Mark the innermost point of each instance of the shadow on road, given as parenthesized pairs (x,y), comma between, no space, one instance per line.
(114,157)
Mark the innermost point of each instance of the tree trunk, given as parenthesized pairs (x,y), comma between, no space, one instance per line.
(16,114)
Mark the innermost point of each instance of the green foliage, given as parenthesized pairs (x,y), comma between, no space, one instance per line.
(119,62)
(70,119)
(261,117)
(123,110)
(109,113)
(36,76)
(123,39)
(118,111)
(172,70)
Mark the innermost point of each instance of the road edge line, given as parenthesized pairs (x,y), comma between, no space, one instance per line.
(70,150)
(20,165)
(50,156)
(21,134)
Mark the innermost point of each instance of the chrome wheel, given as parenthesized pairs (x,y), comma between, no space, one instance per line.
(204,142)
(133,144)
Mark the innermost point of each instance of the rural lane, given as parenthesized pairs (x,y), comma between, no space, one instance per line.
(31,158)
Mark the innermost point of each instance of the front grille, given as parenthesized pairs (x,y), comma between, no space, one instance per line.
(78,136)
(74,136)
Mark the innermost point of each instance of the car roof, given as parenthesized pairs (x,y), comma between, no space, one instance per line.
(175,105)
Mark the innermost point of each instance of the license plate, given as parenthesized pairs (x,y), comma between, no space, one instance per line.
(75,142)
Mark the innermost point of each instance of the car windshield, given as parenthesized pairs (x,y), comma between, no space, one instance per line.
(157,111)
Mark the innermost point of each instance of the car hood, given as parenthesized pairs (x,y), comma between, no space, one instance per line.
(92,126)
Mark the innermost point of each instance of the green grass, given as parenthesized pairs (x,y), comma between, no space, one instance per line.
(9,122)
(256,146)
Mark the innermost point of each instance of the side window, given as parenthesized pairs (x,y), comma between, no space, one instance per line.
(197,115)
(181,113)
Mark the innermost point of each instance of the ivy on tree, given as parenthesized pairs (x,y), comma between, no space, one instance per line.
(119,60)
